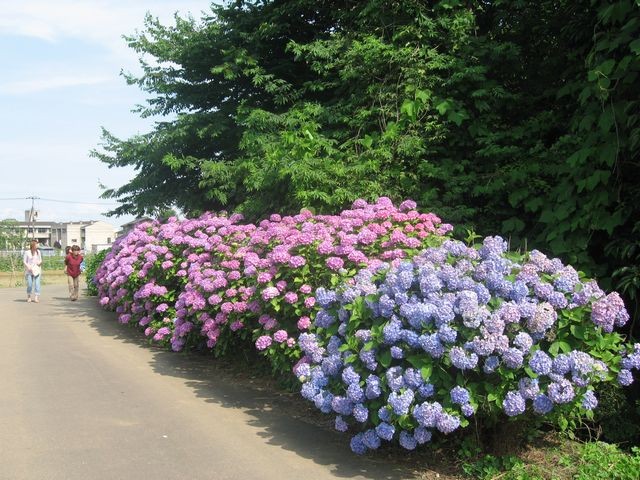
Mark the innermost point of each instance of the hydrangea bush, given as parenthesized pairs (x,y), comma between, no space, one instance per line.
(216,280)
(419,347)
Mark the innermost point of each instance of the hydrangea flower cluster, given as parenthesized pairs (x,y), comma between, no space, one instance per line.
(418,347)
(216,279)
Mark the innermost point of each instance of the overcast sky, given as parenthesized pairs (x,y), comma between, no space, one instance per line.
(60,83)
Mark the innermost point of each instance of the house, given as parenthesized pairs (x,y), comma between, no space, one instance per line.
(129,226)
(91,236)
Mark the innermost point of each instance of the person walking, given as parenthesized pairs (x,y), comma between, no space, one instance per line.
(72,264)
(32,269)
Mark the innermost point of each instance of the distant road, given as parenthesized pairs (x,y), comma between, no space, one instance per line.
(83,398)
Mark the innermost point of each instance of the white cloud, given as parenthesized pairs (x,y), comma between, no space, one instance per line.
(50,83)
(103,21)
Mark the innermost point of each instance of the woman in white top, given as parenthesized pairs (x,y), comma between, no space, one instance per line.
(32,267)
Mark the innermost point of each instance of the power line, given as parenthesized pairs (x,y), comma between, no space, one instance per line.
(105,204)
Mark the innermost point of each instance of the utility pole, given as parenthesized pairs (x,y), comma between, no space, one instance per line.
(32,215)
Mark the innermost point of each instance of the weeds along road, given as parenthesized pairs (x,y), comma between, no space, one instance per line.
(83,397)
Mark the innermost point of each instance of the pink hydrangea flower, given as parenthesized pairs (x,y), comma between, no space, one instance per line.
(263,342)
(280,336)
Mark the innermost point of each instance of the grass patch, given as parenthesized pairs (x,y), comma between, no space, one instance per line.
(554,458)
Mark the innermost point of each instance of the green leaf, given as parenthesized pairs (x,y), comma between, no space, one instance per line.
(443,106)
(426,371)
(606,67)
(385,358)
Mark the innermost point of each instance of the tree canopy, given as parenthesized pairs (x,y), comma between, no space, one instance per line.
(518,117)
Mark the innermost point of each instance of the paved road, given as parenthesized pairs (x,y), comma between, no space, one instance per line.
(81,397)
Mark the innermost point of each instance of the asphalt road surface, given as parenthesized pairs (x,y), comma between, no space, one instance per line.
(83,397)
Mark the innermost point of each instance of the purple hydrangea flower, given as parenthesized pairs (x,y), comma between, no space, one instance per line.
(609,311)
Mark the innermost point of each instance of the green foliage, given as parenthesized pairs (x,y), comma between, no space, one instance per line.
(605,461)
(589,461)
(12,239)
(618,416)
(92,262)
(512,117)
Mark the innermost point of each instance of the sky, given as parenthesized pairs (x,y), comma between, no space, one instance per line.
(60,83)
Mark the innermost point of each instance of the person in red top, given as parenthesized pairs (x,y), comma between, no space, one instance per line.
(72,269)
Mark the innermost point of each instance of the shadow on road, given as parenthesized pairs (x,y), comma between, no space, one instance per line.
(282,418)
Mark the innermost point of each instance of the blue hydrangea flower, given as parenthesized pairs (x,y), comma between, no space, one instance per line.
(342,405)
(325,297)
(426,390)
(360,413)
(513,358)
(447,335)
(386,304)
(323,401)
(427,413)
(396,352)
(340,424)
(412,378)
(373,389)
(561,364)
(447,423)
(410,338)
(542,404)
(349,376)
(309,391)
(459,395)
(432,345)
(324,319)
(491,364)
(513,404)
(394,378)
(460,359)
(625,377)
(523,342)
(422,435)
(331,365)
(318,378)
(385,431)
(561,392)
(334,344)
(357,444)
(368,359)
(392,332)
(528,388)
(589,400)
(467,410)
(541,363)
(371,439)
(401,402)
(355,393)
(407,440)
(384,414)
